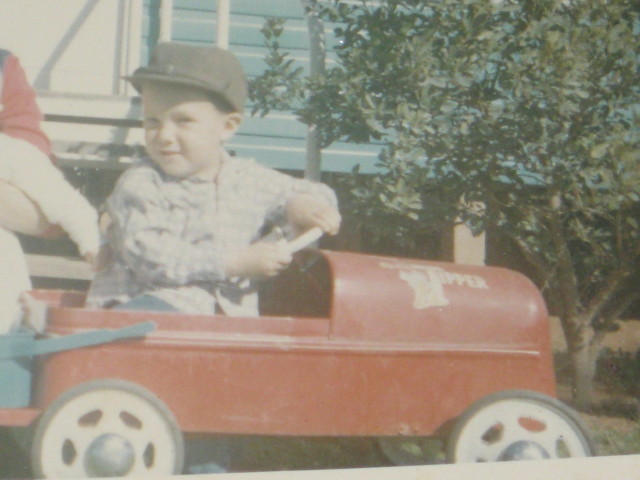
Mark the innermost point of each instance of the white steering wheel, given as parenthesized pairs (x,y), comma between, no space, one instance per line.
(304,240)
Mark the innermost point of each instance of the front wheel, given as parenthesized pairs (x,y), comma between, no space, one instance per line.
(518,425)
(106,428)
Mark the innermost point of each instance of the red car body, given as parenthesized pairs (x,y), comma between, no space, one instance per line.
(346,344)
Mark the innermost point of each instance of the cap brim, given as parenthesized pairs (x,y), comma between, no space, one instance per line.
(137,79)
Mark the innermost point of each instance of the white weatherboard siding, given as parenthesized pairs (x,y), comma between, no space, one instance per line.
(79,46)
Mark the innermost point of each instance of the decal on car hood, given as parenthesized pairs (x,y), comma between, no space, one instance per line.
(427,282)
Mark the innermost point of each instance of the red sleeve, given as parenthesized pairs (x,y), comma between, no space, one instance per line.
(20,116)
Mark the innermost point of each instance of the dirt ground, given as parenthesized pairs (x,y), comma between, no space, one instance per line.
(618,414)
(251,454)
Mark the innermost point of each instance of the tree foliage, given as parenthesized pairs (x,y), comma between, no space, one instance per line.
(529,109)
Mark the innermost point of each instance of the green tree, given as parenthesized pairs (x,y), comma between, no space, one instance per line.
(528,111)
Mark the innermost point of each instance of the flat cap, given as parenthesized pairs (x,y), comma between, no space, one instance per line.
(209,68)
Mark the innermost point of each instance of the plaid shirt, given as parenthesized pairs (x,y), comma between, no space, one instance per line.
(168,236)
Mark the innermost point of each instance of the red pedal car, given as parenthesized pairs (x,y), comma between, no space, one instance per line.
(346,345)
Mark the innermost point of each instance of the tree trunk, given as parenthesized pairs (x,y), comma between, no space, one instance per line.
(584,371)
(583,351)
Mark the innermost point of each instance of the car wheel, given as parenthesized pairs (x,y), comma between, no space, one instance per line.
(517,425)
(106,428)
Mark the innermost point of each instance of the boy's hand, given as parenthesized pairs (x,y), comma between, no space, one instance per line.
(92,259)
(305,211)
(98,260)
(259,260)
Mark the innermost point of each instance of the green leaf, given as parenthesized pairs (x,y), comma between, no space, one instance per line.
(600,150)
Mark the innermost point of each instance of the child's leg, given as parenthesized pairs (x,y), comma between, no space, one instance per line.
(146,303)
(14,279)
(35,312)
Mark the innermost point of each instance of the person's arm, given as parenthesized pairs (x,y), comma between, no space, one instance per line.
(305,211)
(304,204)
(258,260)
(20,214)
(20,118)
(22,164)
(20,115)
(301,203)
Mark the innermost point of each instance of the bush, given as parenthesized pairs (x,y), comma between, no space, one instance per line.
(619,371)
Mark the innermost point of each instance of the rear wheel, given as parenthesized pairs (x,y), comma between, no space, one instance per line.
(106,428)
(518,425)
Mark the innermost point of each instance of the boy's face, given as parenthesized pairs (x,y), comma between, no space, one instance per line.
(184,131)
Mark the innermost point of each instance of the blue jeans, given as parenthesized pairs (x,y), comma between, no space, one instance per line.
(146,303)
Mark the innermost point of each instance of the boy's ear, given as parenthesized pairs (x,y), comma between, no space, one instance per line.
(232,122)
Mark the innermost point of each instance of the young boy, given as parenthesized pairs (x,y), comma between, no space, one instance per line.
(185,223)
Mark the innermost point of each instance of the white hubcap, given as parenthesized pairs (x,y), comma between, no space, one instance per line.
(513,422)
(107,431)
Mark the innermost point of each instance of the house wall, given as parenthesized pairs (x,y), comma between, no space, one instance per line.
(278,139)
(76,46)
(85,46)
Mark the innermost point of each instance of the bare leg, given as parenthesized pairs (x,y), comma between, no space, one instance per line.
(14,279)
(35,312)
